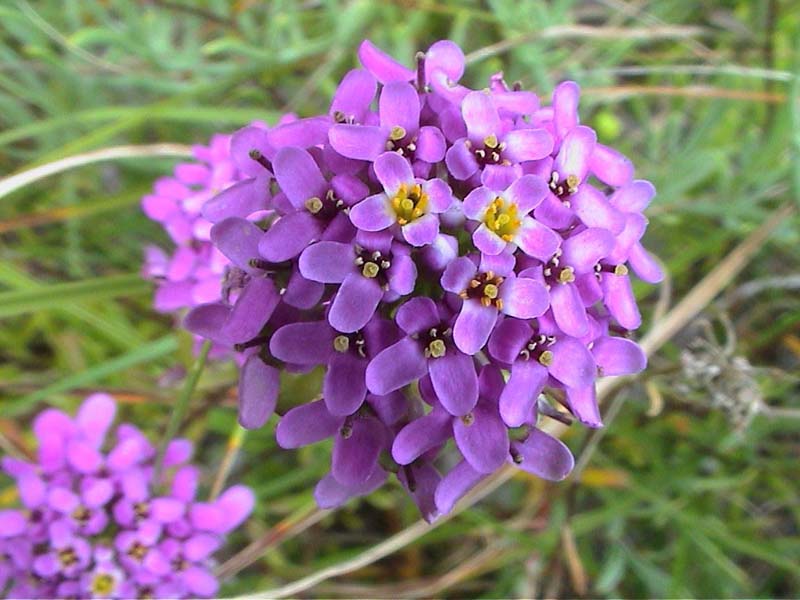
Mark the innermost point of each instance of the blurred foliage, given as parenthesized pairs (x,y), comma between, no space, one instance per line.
(675,500)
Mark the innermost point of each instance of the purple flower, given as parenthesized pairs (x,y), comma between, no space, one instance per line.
(487,292)
(370,270)
(505,222)
(492,141)
(398,131)
(411,203)
(94,526)
(453,242)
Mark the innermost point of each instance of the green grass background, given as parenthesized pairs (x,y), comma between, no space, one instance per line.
(702,95)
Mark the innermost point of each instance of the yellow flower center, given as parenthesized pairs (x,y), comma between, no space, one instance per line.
(502,218)
(102,585)
(485,288)
(67,557)
(409,203)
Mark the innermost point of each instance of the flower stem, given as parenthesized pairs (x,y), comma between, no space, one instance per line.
(181,406)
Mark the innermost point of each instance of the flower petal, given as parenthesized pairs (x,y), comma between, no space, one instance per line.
(575,152)
(454,381)
(585,249)
(396,366)
(309,343)
(572,364)
(421,435)
(481,116)
(385,68)
(633,197)
(594,209)
(421,231)
(344,387)
(544,456)
(568,310)
(288,236)
(527,144)
(537,240)
(487,241)
(95,417)
(238,239)
(299,176)
(362,142)
(619,300)
(416,315)
(430,144)
(259,384)
(524,298)
(483,439)
(473,326)
(354,303)
(398,106)
(373,213)
(461,479)
(519,396)
(327,262)
(355,454)
(460,160)
(457,275)
(565,107)
(618,356)
(306,424)
(527,192)
(610,167)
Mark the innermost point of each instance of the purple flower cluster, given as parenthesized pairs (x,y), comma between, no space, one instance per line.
(456,260)
(96,524)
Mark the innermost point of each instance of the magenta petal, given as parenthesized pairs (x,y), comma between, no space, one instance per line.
(327,262)
(454,381)
(207,321)
(620,301)
(477,201)
(440,197)
(644,265)
(421,231)
(416,315)
(487,241)
(554,213)
(344,387)
(398,106)
(32,490)
(62,500)
(354,303)
(568,310)
(178,452)
(306,424)
(524,298)
(289,236)
(583,404)
(508,340)
(461,161)
(200,546)
(299,176)
(565,107)
(329,493)
(385,68)
(373,213)
(95,417)
(544,456)
(446,56)
(392,171)
(575,152)
(473,326)
(461,479)
(519,396)
(419,436)
(572,364)
(403,275)
(362,142)
(252,310)
(618,356)
(302,133)
(301,292)
(481,116)
(527,193)
(259,384)
(594,210)
(166,510)
(430,144)
(354,95)
(537,240)
(83,457)
(238,239)
(309,343)
(242,142)
(426,480)
(484,441)
(200,582)
(527,144)
(634,197)
(12,523)
(355,456)
(396,366)
(239,200)
(236,503)
(96,492)
(457,275)
(584,250)
(610,167)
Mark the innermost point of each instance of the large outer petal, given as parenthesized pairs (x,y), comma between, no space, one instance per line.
(299,176)
(461,479)
(481,116)
(421,435)
(306,424)
(327,262)
(395,367)
(545,456)
(524,298)
(309,343)
(519,396)
(354,303)
(473,326)
(399,106)
(344,387)
(454,381)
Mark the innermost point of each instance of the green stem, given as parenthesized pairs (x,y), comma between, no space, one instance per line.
(179,411)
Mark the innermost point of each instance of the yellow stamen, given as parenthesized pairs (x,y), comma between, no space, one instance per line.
(397,133)
(502,219)
(490,141)
(409,203)
(313,205)
(102,585)
(567,275)
(490,291)
(620,270)
(341,343)
(370,270)
(546,358)
(436,349)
